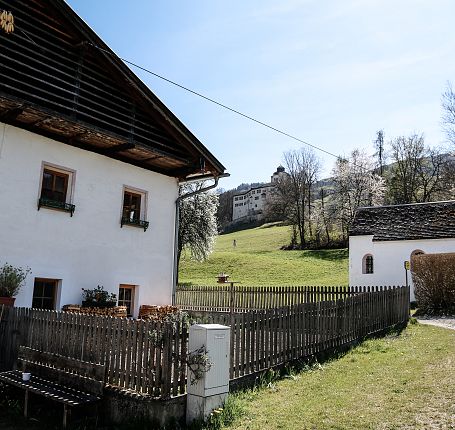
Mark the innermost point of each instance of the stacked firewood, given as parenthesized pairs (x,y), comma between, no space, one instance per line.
(116,311)
(157,313)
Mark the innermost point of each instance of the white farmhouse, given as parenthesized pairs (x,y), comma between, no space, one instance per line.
(382,238)
(90,164)
(252,203)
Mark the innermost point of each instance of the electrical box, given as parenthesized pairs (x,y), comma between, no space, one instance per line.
(211,390)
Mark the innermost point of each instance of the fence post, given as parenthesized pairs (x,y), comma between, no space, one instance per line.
(231,299)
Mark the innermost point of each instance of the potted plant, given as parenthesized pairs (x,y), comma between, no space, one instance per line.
(98,298)
(11,281)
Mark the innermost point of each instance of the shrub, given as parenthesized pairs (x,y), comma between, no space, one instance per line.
(12,279)
(98,298)
(434,282)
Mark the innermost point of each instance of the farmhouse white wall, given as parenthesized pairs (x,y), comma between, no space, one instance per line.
(89,248)
(388,259)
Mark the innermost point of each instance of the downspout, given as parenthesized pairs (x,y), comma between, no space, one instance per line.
(176,232)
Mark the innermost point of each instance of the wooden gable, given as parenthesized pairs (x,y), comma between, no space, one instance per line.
(58,79)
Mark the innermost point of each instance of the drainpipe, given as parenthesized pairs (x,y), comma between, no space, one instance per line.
(177,219)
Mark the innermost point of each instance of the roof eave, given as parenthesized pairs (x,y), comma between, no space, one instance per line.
(157,104)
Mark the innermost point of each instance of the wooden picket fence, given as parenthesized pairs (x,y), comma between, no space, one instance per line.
(240,298)
(263,339)
(150,358)
(143,356)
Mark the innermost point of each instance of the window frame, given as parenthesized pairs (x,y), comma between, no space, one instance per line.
(55,174)
(68,204)
(142,222)
(56,286)
(368,264)
(71,173)
(132,288)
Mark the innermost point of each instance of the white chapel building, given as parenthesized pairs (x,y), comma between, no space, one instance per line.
(90,166)
(382,238)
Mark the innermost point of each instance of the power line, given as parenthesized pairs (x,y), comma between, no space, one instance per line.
(218,103)
(209,99)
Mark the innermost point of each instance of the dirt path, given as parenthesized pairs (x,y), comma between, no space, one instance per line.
(446,322)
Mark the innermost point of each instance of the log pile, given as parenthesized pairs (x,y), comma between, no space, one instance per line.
(116,311)
(157,313)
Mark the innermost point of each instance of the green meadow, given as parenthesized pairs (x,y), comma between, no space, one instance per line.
(257,260)
(402,381)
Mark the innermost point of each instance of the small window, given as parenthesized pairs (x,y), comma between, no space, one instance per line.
(126,298)
(55,185)
(134,208)
(132,205)
(367,264)
(45,293)
(56,188)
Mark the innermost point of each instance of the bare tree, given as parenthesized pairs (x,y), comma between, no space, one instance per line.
(355,185)
(296,189)
(320,221)
(311,166)
(435,176)
(224,212)
(418,173)
(276,203)
(293,192)
(324,214)
(448,116)
(406,154)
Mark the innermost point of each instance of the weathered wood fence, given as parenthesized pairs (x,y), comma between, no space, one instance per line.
(149,357)
(262,339)
(142,356)
(226,297)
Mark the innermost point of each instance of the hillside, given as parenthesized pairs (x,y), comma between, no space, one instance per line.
(258,260)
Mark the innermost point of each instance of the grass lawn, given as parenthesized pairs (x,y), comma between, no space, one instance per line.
(258,260)
(401,381)
(404,381)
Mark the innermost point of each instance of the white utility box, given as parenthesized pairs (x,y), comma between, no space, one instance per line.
(210,391)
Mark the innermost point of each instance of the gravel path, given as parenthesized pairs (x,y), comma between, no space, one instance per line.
(446,322)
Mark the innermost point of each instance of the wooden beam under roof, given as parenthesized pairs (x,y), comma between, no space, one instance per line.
(90,91)
(11,114)
(118,148)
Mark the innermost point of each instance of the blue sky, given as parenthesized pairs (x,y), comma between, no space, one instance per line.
(330,72)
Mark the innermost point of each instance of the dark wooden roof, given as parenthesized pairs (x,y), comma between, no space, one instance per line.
(434,220)
(54,81)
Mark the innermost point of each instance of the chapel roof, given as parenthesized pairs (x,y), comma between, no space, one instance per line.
(434,220)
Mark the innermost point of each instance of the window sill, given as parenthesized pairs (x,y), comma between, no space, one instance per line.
(53,204)
(135,223)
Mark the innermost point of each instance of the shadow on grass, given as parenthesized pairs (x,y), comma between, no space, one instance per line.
(273,224)
(326,254)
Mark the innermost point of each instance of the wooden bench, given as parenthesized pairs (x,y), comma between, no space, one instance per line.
(65,380)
